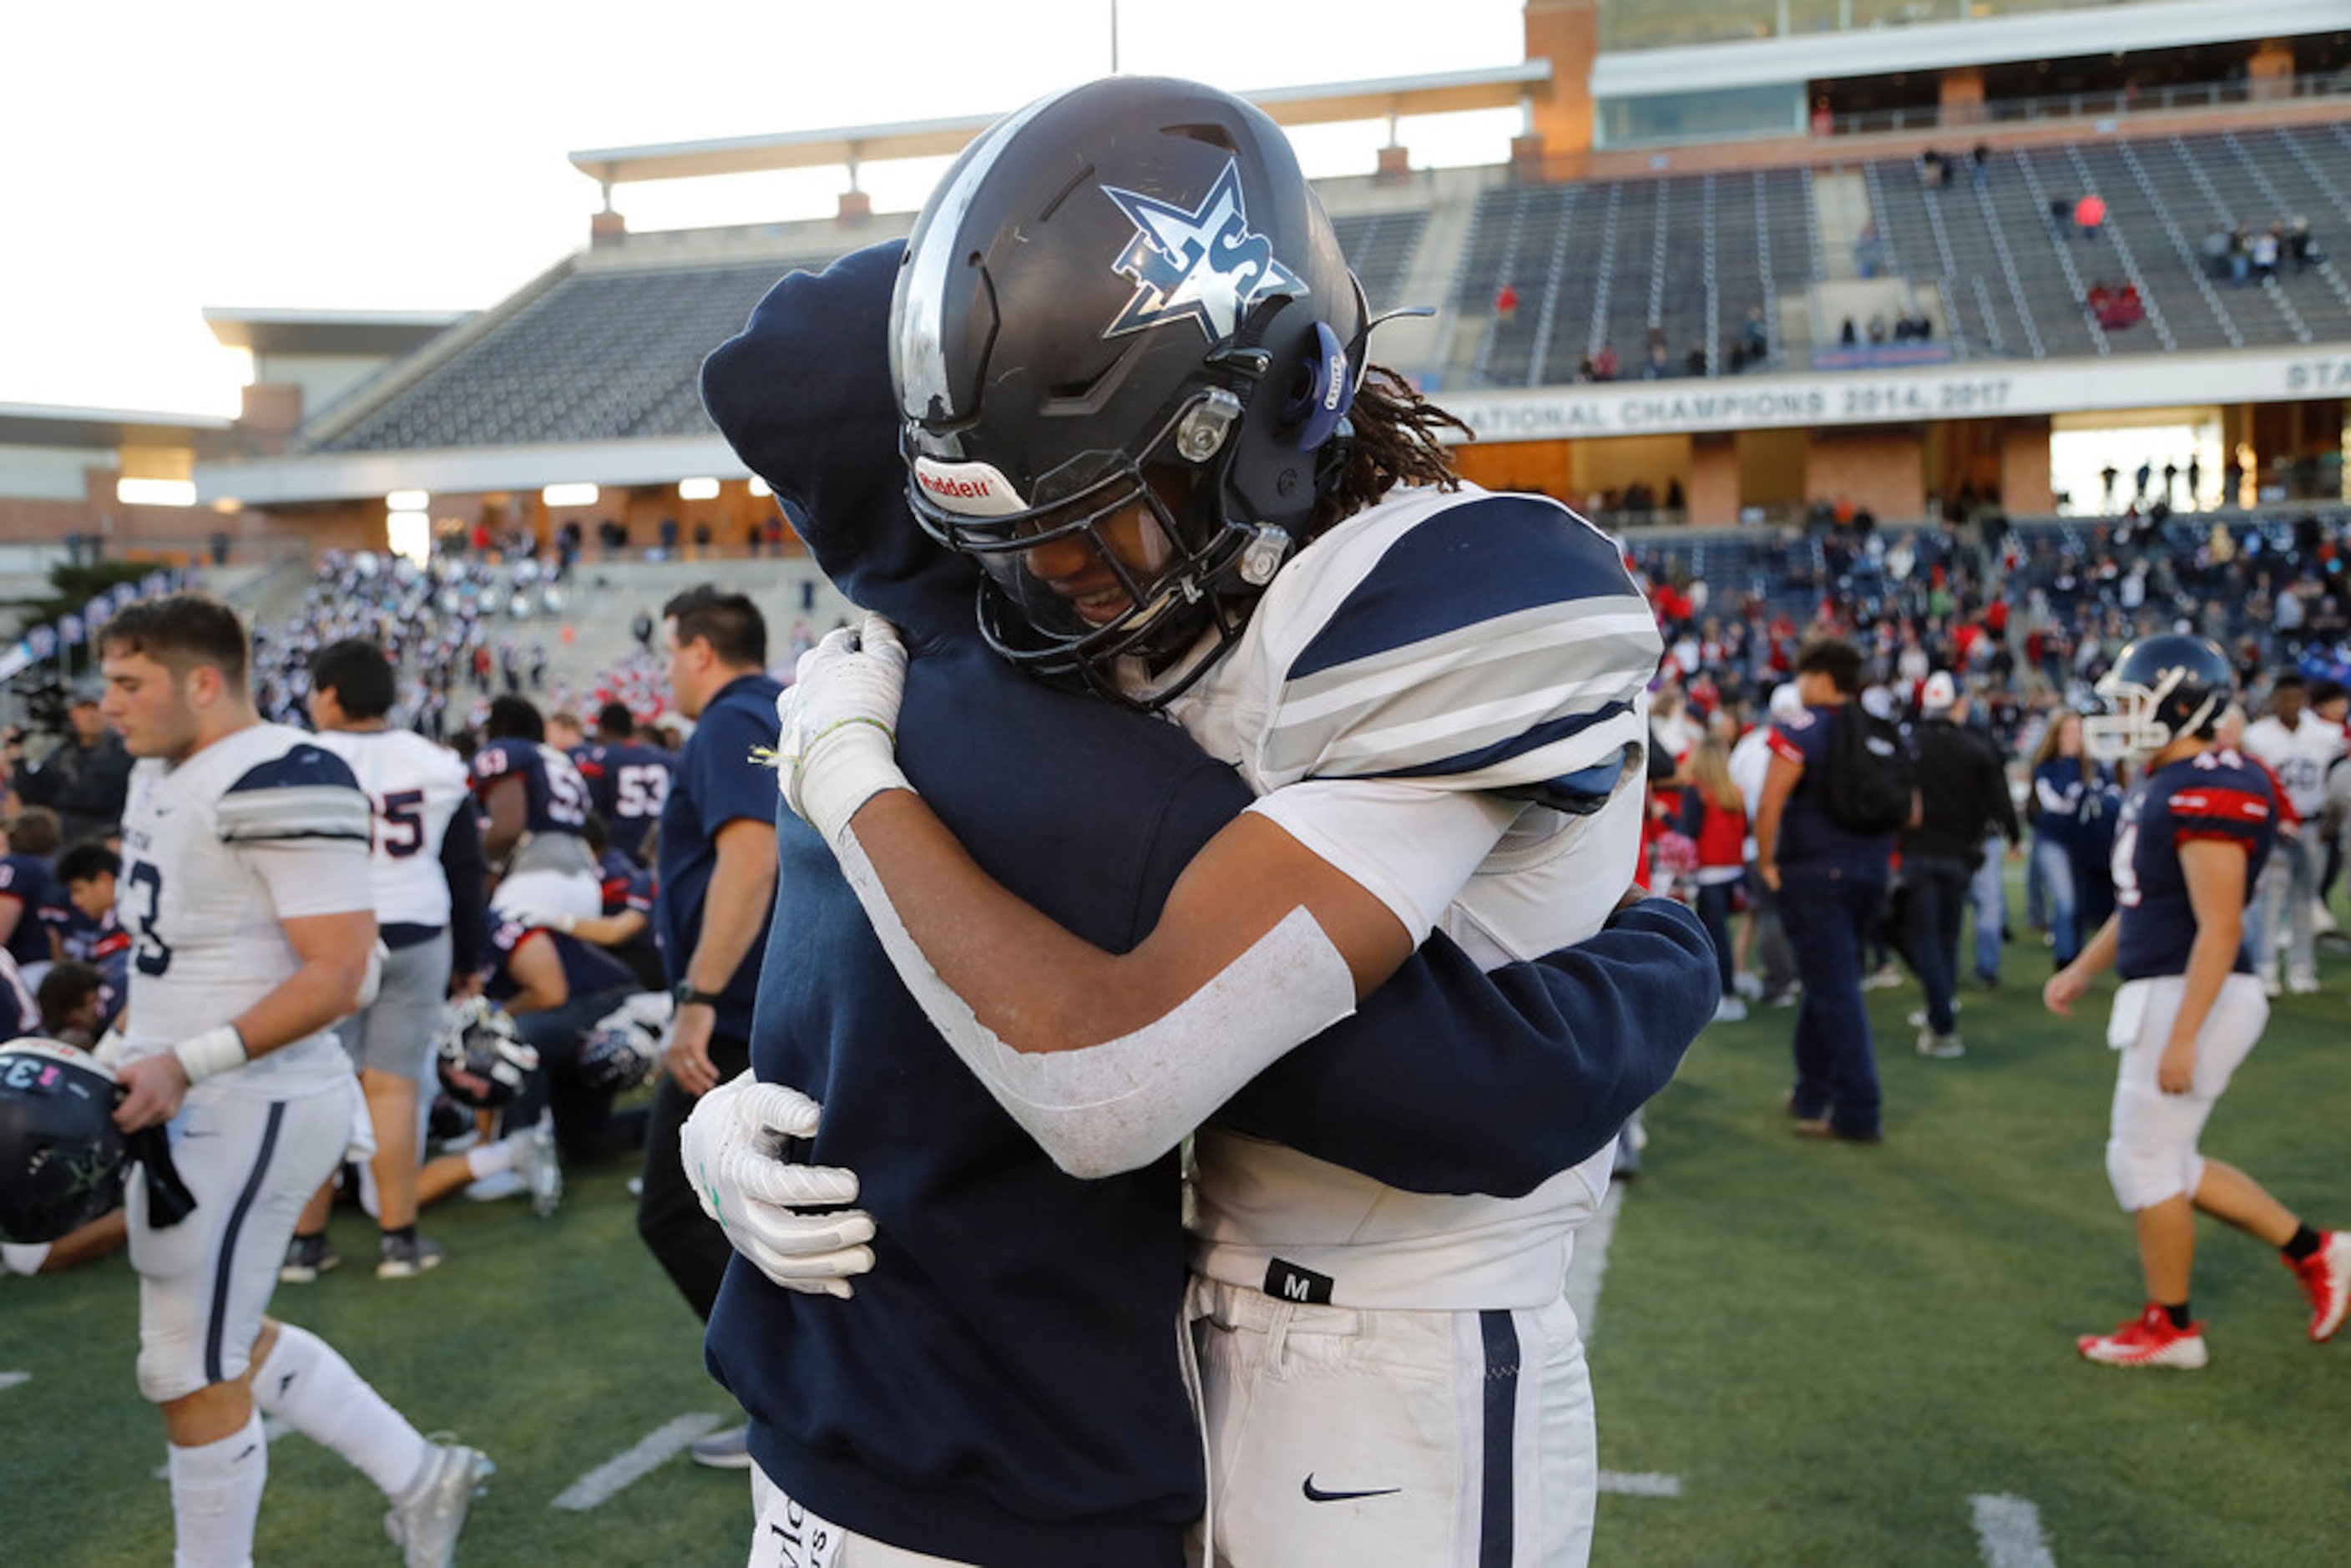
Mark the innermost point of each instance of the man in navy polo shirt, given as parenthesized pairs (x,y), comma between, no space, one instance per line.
(715,892)
(1831,884)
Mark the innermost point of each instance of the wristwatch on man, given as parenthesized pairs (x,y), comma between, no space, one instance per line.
(685,996)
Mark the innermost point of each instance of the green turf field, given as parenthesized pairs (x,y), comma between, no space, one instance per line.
(1832,1350)
(1835,1348)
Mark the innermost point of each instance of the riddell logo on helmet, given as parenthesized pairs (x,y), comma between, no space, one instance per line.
(973,489)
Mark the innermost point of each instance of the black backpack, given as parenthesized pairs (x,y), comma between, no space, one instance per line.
(1872,774)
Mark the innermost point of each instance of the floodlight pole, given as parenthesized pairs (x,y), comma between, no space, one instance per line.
(1113,38)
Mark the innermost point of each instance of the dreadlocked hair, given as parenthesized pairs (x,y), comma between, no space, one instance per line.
(1395,443)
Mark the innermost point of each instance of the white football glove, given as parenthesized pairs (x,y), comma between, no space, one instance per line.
(840,725)
(542,919)
(732,1145)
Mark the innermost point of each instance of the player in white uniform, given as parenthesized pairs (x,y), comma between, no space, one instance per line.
(1441,702)
(2299,747)
(425,860)
(245,893)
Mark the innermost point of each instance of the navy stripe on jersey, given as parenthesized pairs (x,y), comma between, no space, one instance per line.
(225,1262)
(1564,728)
(307,793)
(1497,1505)
(301,767)
(1520,553)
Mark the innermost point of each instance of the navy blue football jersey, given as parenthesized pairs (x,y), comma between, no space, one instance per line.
(587,968)
(25,881)
(554,797)
(2215,795)
(628,784)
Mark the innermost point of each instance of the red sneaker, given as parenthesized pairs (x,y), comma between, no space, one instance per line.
(2147,1340)
(2325,1279)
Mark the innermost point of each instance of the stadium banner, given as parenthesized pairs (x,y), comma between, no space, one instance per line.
(1974,390)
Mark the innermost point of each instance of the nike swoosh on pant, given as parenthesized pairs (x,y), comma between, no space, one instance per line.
(1316,1494)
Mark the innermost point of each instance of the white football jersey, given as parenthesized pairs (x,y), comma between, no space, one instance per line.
(413,787)
(2300,757)
(257,828)
(1408,670)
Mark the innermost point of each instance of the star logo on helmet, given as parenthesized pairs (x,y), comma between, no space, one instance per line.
(1202,265)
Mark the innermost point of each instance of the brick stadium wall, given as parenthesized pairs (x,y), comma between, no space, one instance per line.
(1879,468)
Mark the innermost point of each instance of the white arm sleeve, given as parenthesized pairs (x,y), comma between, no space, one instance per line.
(312,876)
(1121,1104)
(1412,845)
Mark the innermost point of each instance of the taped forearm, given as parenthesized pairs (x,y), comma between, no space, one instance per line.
(1122,1103)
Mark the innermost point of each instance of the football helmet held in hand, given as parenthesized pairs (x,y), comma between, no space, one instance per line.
(624,1050)
(62,1160)
(483,1061)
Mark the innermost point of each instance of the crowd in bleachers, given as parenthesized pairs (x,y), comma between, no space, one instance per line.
(460,630)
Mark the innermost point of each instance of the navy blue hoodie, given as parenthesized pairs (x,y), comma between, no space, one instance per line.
(1004,1386)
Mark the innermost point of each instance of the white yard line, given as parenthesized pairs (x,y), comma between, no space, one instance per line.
(1589,1264)
(1585,1269)
(626,1469)
(2009,1531)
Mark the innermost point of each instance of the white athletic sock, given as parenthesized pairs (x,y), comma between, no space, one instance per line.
(216,1496)
(310,1387)
(24,1257)
(488,1159)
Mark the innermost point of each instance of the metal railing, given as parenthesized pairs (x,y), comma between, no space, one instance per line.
(2099,104)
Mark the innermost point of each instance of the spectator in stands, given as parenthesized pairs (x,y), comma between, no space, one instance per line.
(2061,214)
(1868,251)
(2216,248)
(2240,254)
(86,776)
(1604,364)
(668,535)
(1963,794)
(1980,163)
(1880,329)
(1505,304)
(1847,336)
(2267,248)
(2297,244)
(1831,884)
(2089,214)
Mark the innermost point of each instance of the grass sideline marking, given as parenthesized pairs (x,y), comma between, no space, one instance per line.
(626,1469)
(2009,1529)
(1636,1483)
(10,1379)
